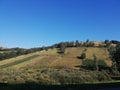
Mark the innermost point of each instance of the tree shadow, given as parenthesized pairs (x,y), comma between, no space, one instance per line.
(79,57)
(59,52)
(87,67)
(93,68)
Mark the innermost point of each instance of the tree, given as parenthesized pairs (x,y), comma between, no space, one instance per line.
(85,44)
(21,51)
(83,56)
(95,62)
(115,56)
(28,51)
(87,41)
(90,44)
(62,48)
(115,41)
(70,44)
(77,43)
(2,56)
(107,43)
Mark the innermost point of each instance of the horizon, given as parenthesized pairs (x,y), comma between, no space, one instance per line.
(37,23)
(60,42)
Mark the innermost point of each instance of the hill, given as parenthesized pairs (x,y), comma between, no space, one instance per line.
(51,58)
(48,65)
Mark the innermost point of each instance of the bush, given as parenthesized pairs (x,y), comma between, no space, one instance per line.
(89,64)
(102,63)
(52,76)
(90,44)
(83,56)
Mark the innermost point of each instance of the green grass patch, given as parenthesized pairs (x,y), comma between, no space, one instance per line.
(19,61)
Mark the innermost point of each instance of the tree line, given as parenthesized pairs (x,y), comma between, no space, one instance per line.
(6,53)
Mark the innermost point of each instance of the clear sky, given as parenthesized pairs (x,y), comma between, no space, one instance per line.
(34,23)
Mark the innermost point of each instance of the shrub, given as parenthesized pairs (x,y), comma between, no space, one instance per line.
(52,76)
(89,64)
(83,56)
(102,63)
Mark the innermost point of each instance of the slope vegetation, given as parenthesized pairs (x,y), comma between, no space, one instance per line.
(53,59)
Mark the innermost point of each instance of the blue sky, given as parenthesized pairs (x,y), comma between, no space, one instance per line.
(34,23)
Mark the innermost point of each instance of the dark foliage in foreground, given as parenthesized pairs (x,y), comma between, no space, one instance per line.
(115,56)
(35,86)
(50,76)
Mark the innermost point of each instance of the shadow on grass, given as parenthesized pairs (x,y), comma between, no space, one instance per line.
(59,52)
(34,86)
(79,57)
(93,68)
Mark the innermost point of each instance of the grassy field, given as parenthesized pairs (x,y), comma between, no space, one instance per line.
(51,68)
(18,61)
(51,58)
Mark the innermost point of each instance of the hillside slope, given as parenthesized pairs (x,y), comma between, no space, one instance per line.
(53,59)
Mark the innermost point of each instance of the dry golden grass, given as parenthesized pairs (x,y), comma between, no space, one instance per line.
(16,58)
(26,63)
(101,54)
(51,58)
